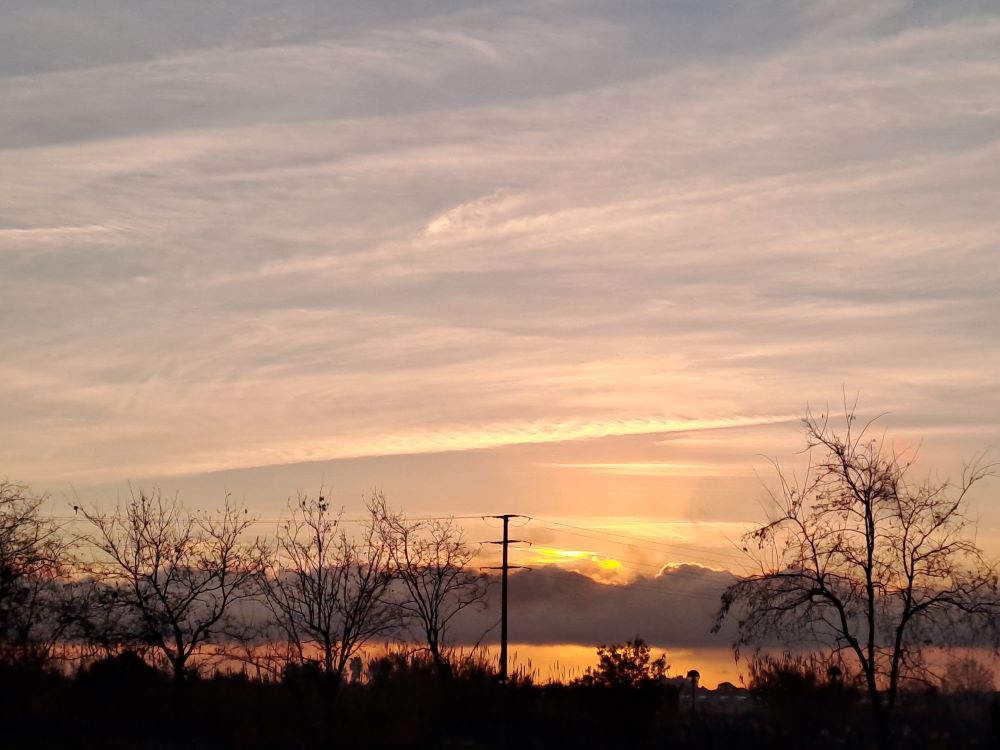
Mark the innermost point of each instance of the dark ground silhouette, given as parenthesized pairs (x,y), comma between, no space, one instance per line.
(122,702)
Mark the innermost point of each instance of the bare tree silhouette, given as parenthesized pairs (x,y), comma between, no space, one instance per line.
(170,575)
(867,561)
(430,559)
(325,589)
(37,604)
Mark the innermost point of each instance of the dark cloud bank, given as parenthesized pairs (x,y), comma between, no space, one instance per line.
(553,606)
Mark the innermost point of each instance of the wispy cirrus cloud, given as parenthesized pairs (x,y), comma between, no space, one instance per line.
(659,469)
(239,235)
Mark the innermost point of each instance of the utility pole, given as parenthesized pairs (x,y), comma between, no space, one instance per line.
(504,567)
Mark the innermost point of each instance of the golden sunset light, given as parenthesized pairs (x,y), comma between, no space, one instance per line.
(604,569)
(620,374)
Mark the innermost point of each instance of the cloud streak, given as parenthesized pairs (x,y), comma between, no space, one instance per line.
(237,236)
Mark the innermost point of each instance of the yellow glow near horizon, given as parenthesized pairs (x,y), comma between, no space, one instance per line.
(599,568)
(547,663)
(559,554)
(648,546)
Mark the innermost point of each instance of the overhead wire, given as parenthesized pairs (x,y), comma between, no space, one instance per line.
(256,521)
(661,547)
(685,545)
(702,556)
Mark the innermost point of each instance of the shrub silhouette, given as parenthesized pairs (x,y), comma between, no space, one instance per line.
(800,694)
(627,688)
(626,665)
(126,668)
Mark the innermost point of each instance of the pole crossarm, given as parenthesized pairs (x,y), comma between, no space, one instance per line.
(508,541)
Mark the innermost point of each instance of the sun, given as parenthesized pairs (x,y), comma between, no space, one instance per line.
(586,562)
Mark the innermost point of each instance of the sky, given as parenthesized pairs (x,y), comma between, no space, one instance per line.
(585,261)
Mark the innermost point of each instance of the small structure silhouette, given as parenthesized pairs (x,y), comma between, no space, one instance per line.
(694,675)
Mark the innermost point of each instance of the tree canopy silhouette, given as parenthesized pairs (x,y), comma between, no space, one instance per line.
(626,665)
(171,576)
(431,560)
(36,607)
(860,557)
(325,590)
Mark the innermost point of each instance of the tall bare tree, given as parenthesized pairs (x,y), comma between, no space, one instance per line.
(36,600)
(862,559)
(173,575)
(431,560)
(325,588)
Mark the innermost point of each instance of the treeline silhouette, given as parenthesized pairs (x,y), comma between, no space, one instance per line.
(152,625)
(188,588)
(122,701)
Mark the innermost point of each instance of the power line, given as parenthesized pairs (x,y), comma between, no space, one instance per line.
(635,539)
(702,556)
(719,560)
(256,521)
(628,536)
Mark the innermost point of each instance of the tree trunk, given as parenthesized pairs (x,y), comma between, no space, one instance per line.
(332,679)
(331,685)
(879,714)
(178,666)
(441,665)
